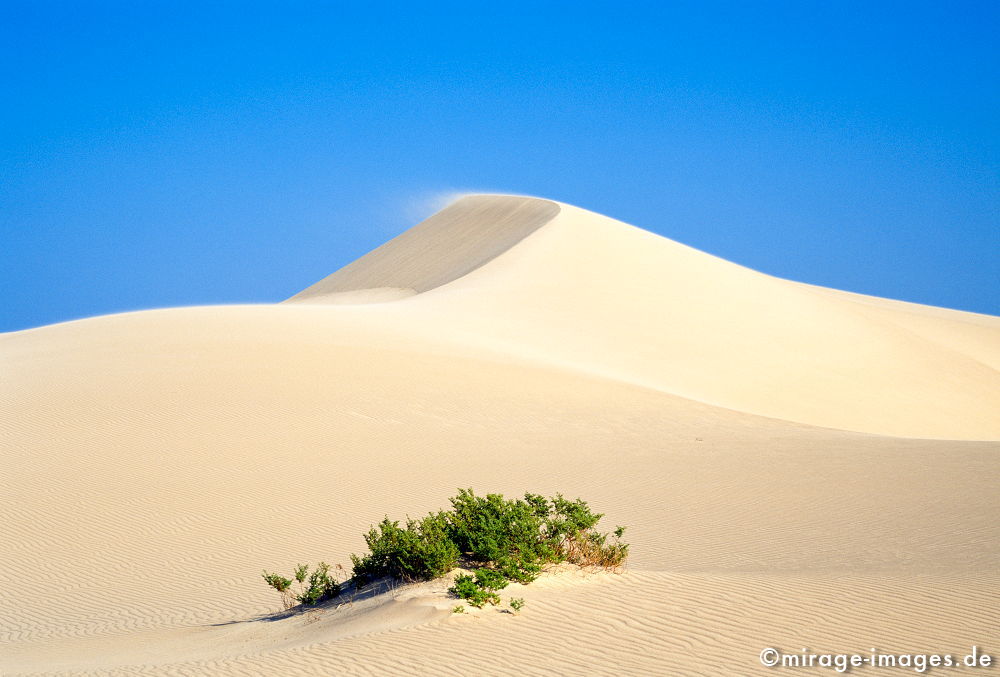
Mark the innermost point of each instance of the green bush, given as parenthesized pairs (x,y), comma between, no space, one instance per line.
(517,603)
(319,587)
(509,534)
(480,588)
(503,539)
(314,588)
(282,585)
(519,536)
(490,528)
(491,579)
(421,551)
(470,589)
(508,539)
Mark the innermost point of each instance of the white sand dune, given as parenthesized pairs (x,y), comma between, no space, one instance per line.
(560,285)
(799,467)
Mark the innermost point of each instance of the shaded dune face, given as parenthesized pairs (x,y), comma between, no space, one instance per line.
(451,243)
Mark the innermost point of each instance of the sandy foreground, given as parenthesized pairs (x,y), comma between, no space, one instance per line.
(799,468)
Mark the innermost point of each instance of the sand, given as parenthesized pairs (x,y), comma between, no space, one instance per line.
(798,467)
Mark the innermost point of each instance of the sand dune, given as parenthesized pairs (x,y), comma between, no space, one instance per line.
(153,463)
(594,294)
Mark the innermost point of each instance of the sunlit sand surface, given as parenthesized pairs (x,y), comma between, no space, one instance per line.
(798,467)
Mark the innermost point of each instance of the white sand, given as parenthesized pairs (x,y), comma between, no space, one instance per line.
(758,436)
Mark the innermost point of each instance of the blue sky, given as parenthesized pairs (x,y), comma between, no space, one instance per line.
(162,154)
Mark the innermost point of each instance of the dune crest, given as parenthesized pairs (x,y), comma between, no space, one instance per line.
(560,285)
(449,244)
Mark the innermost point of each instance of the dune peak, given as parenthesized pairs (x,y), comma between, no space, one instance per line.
(449,244)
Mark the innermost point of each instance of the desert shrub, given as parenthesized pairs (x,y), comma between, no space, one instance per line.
(279,583)
(490,579)
(470,589)
(516,603)
(480,588)
(282,585)
(507,539)
(314,588)
(519,536)
(319,587)
(593,549)
(492,529)
(421,551)
(523,568)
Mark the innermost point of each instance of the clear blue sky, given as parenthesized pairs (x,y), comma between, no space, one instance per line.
(161,154)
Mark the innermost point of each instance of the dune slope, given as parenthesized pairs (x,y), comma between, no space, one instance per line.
(452,243)
(594,294)
(153,463)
